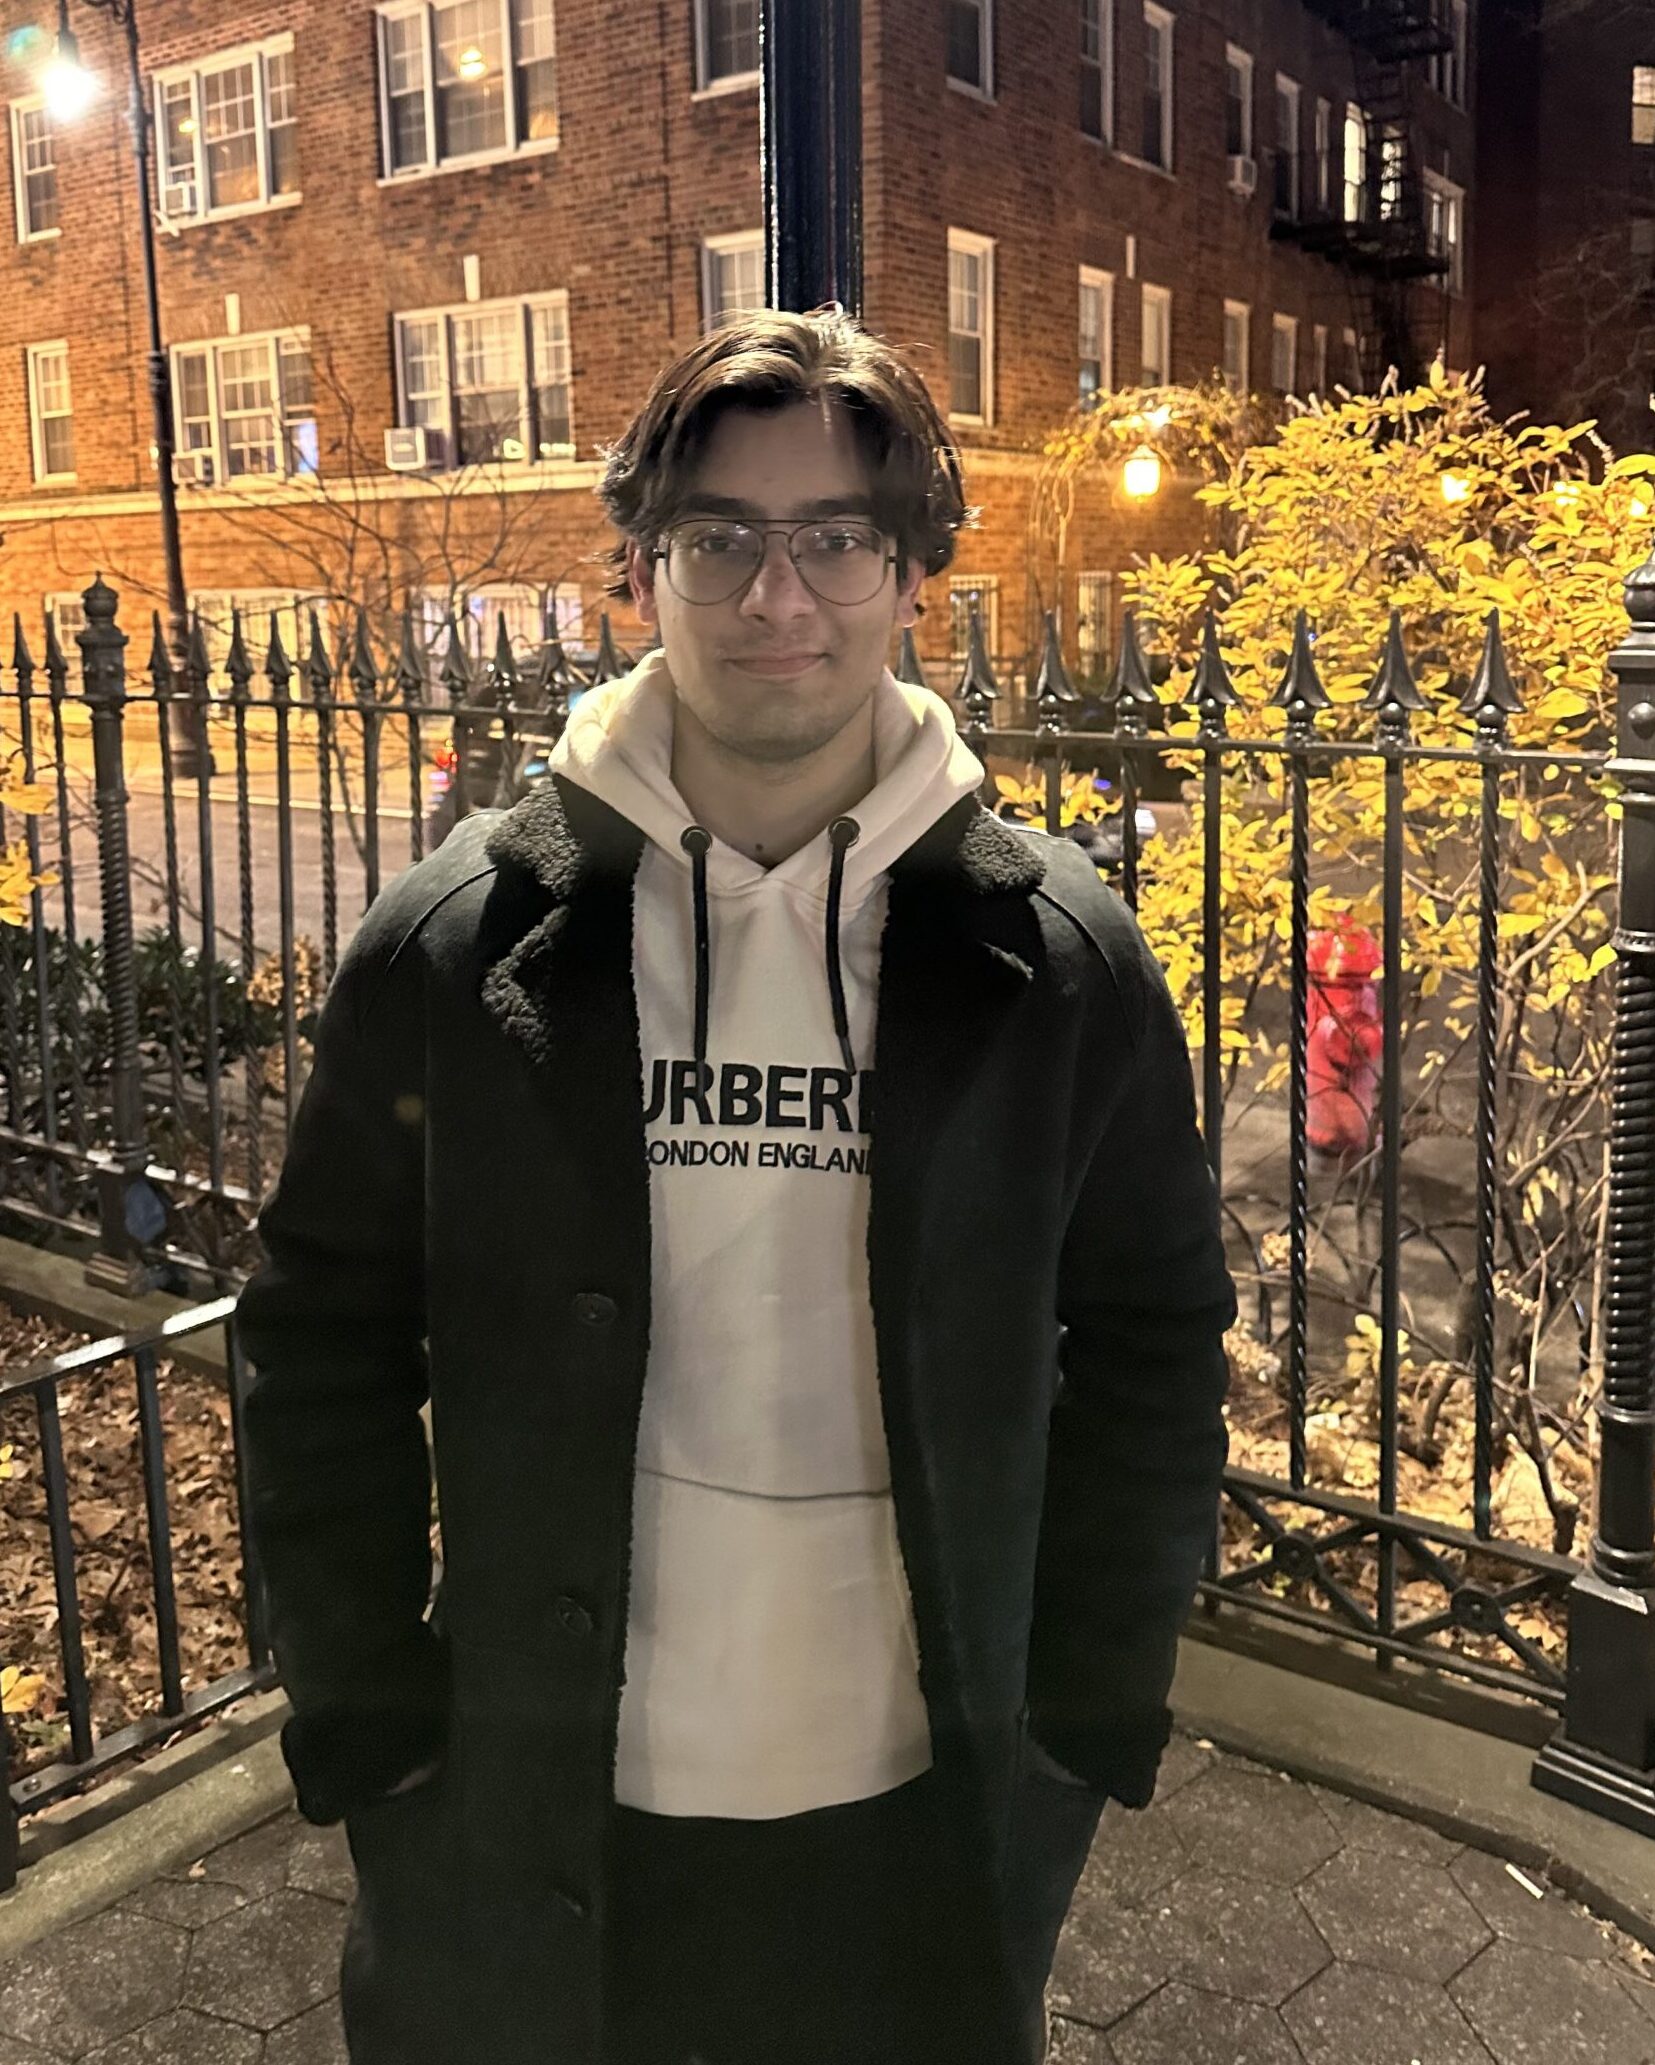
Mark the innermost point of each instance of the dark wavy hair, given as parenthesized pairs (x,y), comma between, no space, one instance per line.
(768,359)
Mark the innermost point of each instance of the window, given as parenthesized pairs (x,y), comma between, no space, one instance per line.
(1284,353)
(1157,130)
(242,406)
(465,79)
(1642,237)
(1238,103)
(1445,227)
(1356,164)
(1448,68)
(1097,328)
(1393,165)
(1287,146)
(970,41)
(966,592)
(1324,157)
(226,132)
(1097,69)
(488,382)
(217,609)
(68,615)
(1238,319)
(526,612)
(1094,627)
(971,326)
(1155,363)
(51,418)
(1318,357)
(34,170)
(726,42)
(1643,104)
(732,276)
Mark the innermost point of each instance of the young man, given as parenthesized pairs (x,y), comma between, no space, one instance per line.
(783,1180)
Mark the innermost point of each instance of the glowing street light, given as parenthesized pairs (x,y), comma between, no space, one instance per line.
(68,88)
(1141,475)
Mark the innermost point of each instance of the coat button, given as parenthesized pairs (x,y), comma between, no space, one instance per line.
(592,1308)
(572,1617)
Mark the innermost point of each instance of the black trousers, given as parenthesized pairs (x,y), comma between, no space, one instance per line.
(818,1939)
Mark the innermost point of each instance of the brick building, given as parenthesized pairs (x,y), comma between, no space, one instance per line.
(1565,305)
(418,260)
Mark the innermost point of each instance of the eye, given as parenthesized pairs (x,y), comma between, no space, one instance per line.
(839,544)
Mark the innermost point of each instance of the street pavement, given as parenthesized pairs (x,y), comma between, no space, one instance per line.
(1244,1919)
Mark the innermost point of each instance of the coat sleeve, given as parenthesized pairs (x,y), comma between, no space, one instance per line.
(333,1324)
(1138,1439)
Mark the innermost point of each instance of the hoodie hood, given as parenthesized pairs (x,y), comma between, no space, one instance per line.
(618,746)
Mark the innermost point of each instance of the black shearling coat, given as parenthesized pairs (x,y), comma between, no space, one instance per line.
(463,1215)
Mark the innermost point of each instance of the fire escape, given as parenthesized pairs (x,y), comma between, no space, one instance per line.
(1367,209)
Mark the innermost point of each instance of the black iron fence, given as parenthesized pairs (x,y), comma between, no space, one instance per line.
(151,1073)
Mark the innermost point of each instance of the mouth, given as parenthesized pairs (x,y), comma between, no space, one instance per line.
(776,666)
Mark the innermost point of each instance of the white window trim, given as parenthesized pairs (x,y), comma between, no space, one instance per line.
(1290,89)
(1446,190)
(273,341)
(1163,19)
(1243,309)
(1318,354)
(1454,65)
(1285,326)
(37,428)
(1155,297)
(467,161)
(723,246)
(522,305)
(712,89)
(1106,73)
(1324,155)
(983,248)
(1237,59)
(31,104)
(985,50)
(1093,276)
(1355,117)
(219,61)
(1643,107)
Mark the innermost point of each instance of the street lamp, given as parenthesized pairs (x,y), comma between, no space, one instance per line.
(1141,475)
(69,90)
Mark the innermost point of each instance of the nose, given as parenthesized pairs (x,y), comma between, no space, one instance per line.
(776,590)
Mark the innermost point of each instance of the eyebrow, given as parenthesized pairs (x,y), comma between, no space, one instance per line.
(732,505)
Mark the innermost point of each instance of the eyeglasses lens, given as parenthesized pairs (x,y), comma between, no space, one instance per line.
(708,561)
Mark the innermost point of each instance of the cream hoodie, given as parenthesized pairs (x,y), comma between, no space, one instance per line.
(771,1662)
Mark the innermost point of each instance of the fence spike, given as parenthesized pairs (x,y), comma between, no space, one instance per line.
(278,668)
(363,667)
(1132,691)
(609,665)
(1492,696)
(237,665)
(21,658)
(198,663)
(503,667)
(1301,693)
(318,668)
(1054,690)
(455,672)
(160,660)
(411,674)
(908,665)
(977,687)
(1212,689)
(1394,692)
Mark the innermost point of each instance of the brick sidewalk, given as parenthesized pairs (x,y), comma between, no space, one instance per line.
(1246,1919)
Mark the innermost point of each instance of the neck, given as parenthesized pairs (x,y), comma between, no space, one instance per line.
(768,810)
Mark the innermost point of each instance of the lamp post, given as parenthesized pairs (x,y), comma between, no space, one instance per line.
(69,90)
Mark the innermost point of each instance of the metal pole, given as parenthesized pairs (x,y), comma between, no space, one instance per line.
(1603,1756)
(810,138)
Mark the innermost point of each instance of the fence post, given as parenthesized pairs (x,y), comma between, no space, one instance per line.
(131,1212)
(1603,1756)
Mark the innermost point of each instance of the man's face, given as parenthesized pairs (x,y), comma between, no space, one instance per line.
(774,673)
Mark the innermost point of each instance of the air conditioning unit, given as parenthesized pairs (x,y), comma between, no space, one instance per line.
(1244,176)
(193,469)
(179,198)
(414,449)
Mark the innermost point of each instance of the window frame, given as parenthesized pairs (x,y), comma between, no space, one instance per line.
(1643,83)
(37,421)
(257,55)
(1449,71)
(32,104)
(1284,326)
(986,25)
(970,243)
(1440,191)
(434,166)
(1318,356)
(1242,310)
(1094,278)
(1090,645)
(1237,60)
(1355,130)
(209,348)
(1288,92)
(732,243)
(431,607)
(727,82)
(1152,296)
(1324,155)
(1163,20)
(1103,15)
(523,307)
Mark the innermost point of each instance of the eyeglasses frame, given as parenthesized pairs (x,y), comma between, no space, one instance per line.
(792,529)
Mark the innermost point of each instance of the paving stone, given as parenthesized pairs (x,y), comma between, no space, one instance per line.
(186,1903)
(1243,1937)
(1181,2025)
(257,1861)
(319,1861)
(1108,1959)
(1552,1923)
(1354,2015)
(1366,1827)
(1640,1989)
(93,1981)
(1073,2043)
(1183,1759)
(268,1961)
(1135,1854)
(13,2051)
(313,2038)
(1253,1824)
(1538,2007)
(1395,1913)
(183,2038)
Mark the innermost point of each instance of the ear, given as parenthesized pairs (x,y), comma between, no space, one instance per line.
(640,574)
(907,595)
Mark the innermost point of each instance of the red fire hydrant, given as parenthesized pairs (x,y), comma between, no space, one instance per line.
(1344,1034)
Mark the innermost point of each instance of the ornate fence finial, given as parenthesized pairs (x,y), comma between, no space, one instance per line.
(318,667)
(364,664)
(1212,690)
(504,679)
(1301,693)
(1493,695)
(160,662)
(1394,693)
(908,666)
(237,665)
(278,668)
(102,645)
(57,664)
(609,665)
(1133,691)
(1054,688)
(21,658)
(977,689)
(412,677)
(455,671)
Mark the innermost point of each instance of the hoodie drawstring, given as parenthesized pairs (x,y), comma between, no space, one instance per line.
(843,834)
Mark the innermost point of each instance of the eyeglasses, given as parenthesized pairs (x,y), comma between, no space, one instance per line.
(710,559)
